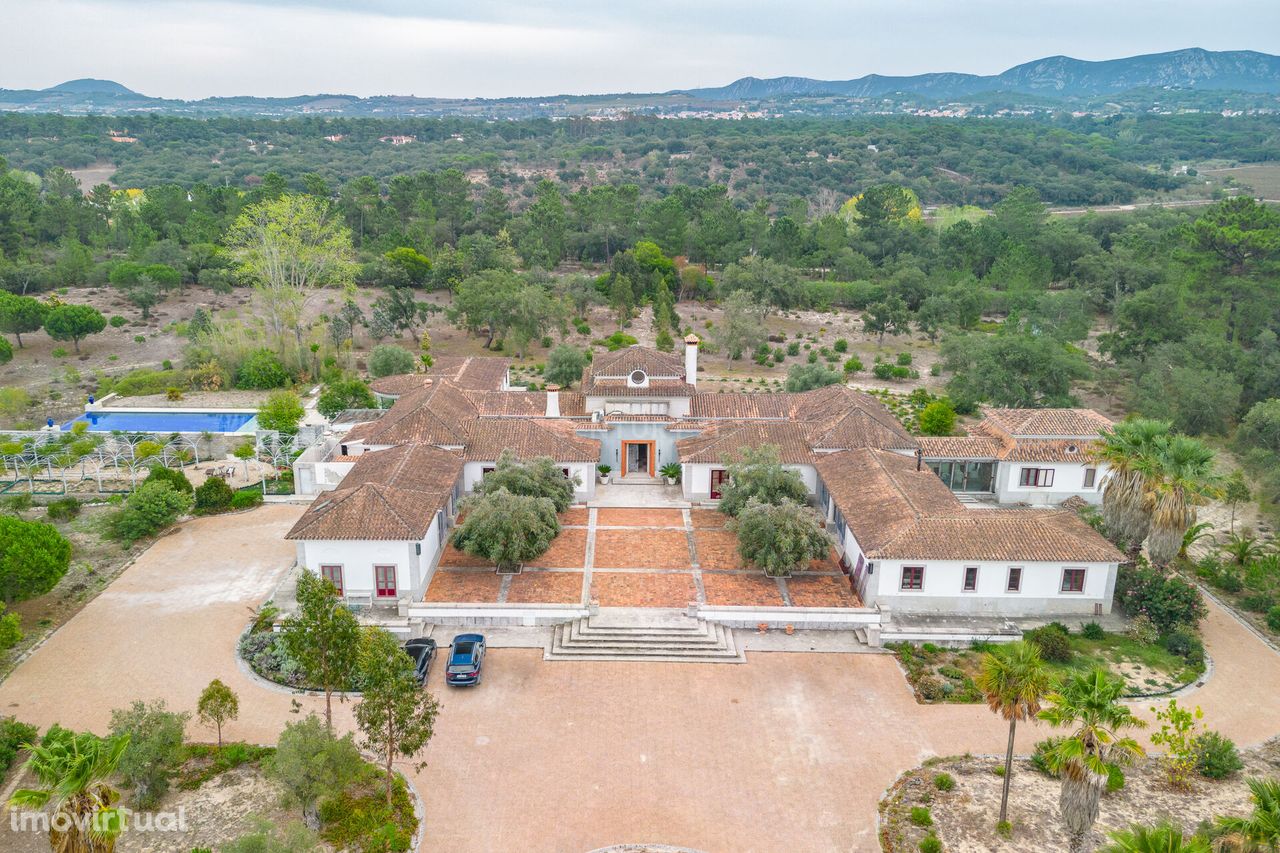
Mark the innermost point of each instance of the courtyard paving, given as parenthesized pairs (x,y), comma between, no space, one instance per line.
(789,752)
(639,557)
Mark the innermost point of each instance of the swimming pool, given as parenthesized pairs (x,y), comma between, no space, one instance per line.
(164,422)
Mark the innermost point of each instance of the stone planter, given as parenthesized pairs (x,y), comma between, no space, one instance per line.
(671,481)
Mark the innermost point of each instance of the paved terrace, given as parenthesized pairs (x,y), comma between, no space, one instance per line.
(639,557)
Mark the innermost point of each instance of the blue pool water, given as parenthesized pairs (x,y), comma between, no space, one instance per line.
(166,422)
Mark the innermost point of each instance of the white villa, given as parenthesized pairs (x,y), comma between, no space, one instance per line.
(959,525)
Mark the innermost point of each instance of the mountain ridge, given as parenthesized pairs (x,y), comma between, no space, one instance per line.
(1049,80)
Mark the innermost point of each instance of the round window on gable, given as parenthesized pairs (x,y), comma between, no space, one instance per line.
(638,377)
(1071,448)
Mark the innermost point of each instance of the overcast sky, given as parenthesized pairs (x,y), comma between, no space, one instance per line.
(489,48)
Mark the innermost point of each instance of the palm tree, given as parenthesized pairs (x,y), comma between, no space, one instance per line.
(1127,449)
(1014,680)
(1089,702)
(1164,837)
(1184,478)
(72,770)
(1260,831)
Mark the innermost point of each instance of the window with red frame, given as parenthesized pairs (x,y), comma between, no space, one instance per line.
(1036,477)
(912,577)
(333,574)
(970,578)
(1015,580)
(1073,580)
(718,477)
(384,578)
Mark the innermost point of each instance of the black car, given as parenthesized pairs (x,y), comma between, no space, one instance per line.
(465,660)
(422,650)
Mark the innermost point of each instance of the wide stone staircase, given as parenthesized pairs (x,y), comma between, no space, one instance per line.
(643,635)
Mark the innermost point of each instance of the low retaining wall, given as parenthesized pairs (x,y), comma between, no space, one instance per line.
(805,618)
(524,615)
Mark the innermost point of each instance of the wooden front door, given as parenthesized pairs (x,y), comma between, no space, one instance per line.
(637,457)
(718,476)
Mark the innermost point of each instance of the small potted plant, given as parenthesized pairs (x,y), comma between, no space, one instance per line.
(672,472)
(604,473)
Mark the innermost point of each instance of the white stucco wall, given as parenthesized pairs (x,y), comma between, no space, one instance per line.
(473,473)
(358,557)
(695,479)
(1068,481)
(1040,592)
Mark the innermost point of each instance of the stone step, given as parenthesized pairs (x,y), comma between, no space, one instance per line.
(697,641)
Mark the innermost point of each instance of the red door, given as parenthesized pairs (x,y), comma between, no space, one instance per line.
(385,579)
(718,476)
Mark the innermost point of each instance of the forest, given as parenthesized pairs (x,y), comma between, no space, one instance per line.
(1087,160)
(1168,312)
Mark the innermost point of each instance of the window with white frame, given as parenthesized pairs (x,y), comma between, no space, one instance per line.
(970,579)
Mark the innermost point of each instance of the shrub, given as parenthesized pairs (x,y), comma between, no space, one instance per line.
(1166,599)
(618,340)
(1092,631)
(343,394)
(1143,630)
(33,558)
(920,816)
(930,844)
(155,747)
(64,509)
(806,377)
(281,411)
(944,782)
(900,372)
(852,364)
(882,371)
(175,478)
(1185,644)
(938,418)
(246,500)
(150,509)
(931,688)
(13,734)
(537,478)
(1228,580)
(1257,602)
(759,474)
(1115,778)
(213,495)
(1273,619)
(1217,756)
(261,371)
(390,360)
(841,345)
(507,529)
(117,321)
(793,348)
(1039,751)
(904,359)
(1052,641)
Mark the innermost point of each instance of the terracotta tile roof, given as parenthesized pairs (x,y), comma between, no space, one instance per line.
(706,405)
(529,404)
(725,441)
(487,437)
(477,373)
(897,512)
(860,428)
(402,383)
(620,388)
(1007,535)
(389,494)
(960,447)
(881,494)
(1046,450)
(367,512)
(435,414)
(415,467)
(621,363)
(1047,423)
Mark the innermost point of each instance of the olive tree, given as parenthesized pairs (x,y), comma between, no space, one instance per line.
(780,538)
(759,474)
(507,529)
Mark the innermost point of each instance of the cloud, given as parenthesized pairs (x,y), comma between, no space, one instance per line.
(492,48)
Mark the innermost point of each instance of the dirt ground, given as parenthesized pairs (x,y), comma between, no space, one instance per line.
(59,385)
(964,817)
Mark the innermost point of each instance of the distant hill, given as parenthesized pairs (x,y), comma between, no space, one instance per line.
(1197,79)
(88,85)
(1054,76)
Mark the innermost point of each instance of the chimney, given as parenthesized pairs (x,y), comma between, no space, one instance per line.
(919,458)
(691,359)
(553,400)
